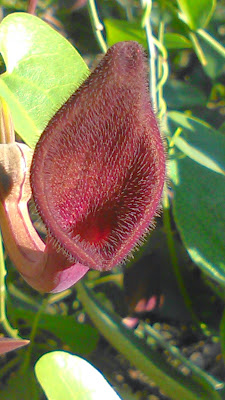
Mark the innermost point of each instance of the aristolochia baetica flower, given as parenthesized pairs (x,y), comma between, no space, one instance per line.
(98,170)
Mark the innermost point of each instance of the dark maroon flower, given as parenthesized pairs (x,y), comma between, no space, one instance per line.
(98,170)
(97,177)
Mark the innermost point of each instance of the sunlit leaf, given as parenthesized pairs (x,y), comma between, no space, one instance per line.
(176,41)
(42,71)
(66,376)
(197,13)
(120,30)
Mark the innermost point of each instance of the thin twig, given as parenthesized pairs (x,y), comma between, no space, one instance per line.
(97,25)
(152,51)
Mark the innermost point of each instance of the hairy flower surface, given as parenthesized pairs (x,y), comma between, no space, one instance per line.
(98,169)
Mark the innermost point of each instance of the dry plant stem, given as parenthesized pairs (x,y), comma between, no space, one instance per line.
(31,7)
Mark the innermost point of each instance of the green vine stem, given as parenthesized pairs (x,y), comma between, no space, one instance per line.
(9,366)
(27,357)
(3,317)
(197,48)
(147,360)
(163,70)
(212,42)
(147,7)
(7,133)
(97,25)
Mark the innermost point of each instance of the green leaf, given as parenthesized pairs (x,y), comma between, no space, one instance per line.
(42,70)
(196,13)
(119,30)
(176,41)
(198,156)
(21,387)
(203,144)
(214,54)
(199,187)
(81,338)
(182,95)
(66,376)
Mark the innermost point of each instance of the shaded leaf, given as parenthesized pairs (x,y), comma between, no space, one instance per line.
(183,95)
(198,156)
(199,197)
(215,66)
(81,338)
(200,136)
(21,386)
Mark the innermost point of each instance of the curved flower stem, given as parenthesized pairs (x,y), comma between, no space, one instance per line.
(3,318)
(97,25)
(40,264)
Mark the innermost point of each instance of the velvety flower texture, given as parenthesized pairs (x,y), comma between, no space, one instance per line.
(98,170)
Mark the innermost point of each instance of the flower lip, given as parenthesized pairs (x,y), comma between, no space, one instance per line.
(98,169)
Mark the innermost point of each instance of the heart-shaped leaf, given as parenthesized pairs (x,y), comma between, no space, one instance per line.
(199,187)
(42,71)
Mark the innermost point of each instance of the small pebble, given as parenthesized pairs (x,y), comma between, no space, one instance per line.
(211,350)
(153,397)
(120,378)
(157,326)
(185,370)
(167,335)
(198,359)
